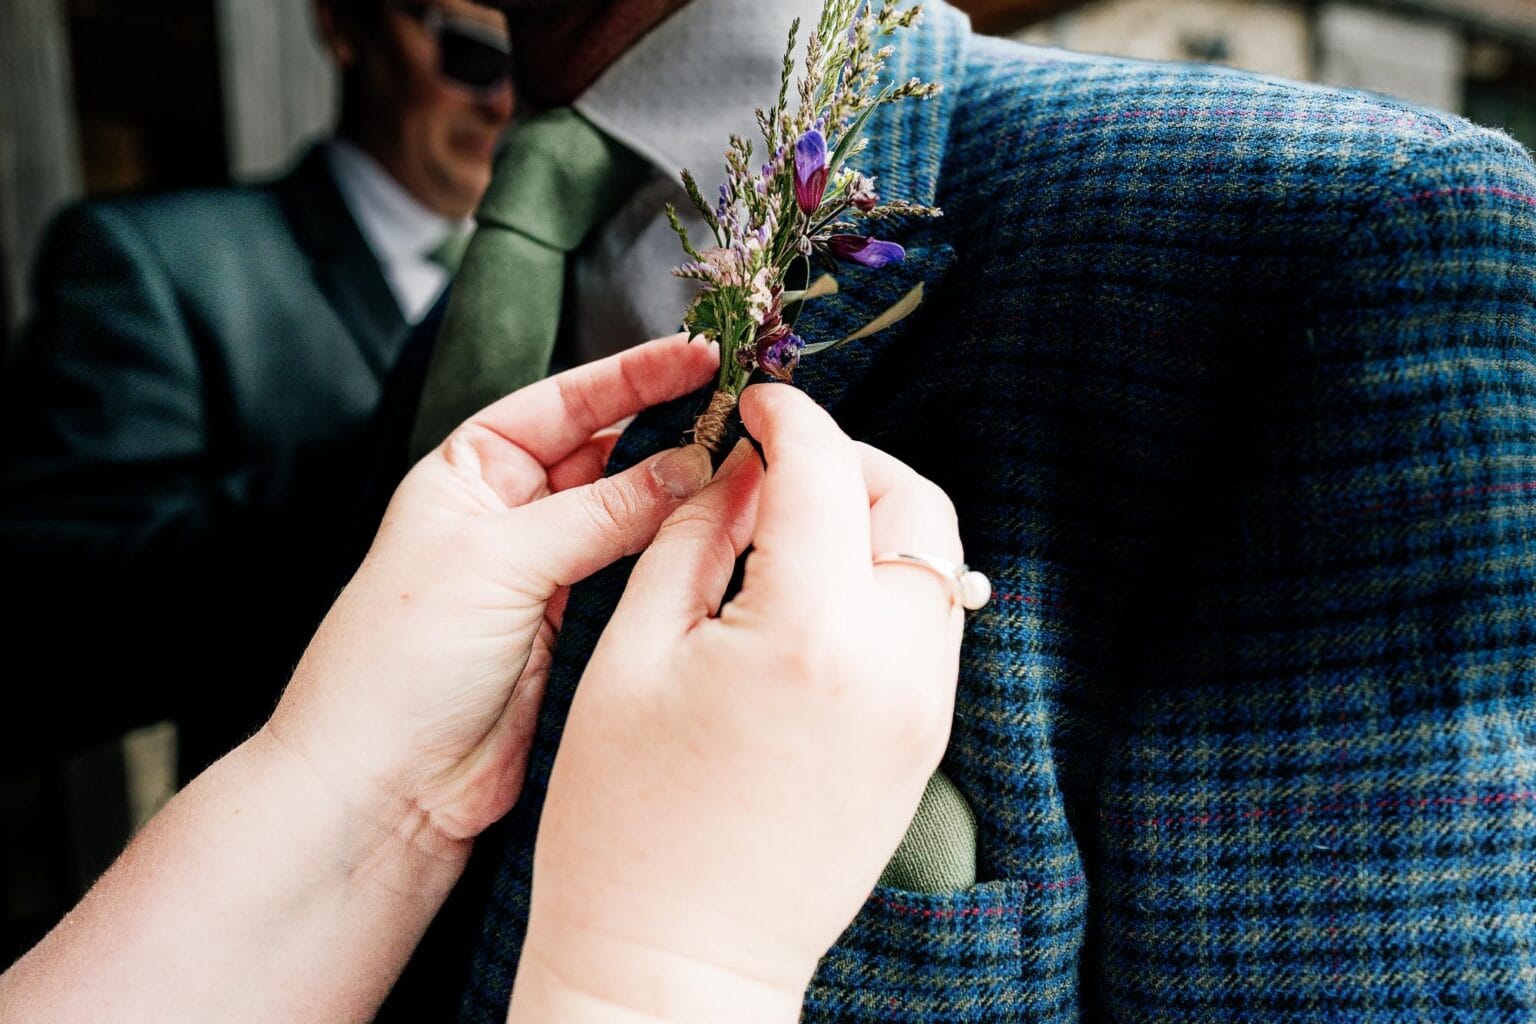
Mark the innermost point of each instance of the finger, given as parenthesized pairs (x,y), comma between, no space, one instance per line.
(907,510)
(554,417)
(812,534)
(910,514)
(585,464)
(568,536)
(681,578)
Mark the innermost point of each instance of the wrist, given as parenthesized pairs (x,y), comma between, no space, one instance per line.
(381,840)
(606,979)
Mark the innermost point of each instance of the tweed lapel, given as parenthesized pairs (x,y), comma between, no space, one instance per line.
(344,267)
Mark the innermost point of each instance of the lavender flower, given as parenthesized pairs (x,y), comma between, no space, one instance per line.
(870,252)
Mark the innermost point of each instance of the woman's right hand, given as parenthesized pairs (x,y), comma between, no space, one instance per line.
(728,788)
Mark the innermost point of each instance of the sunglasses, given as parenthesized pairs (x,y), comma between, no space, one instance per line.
(471,54)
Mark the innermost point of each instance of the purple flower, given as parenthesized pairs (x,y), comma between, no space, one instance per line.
(778,352)
(810,170)
(871,252)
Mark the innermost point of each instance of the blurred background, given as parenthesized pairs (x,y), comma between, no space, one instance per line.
(100,97)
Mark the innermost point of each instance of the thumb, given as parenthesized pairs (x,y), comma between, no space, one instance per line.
(568,536)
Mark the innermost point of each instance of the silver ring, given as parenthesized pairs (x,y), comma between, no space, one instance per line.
(971,589)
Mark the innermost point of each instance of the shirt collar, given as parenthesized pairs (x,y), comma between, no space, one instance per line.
(677,95)
(398,227)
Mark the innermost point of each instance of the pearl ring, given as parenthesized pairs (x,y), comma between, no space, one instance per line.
(970,588)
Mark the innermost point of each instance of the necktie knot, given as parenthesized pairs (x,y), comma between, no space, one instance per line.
(557,177)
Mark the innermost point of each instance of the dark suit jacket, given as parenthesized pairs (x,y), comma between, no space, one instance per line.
(182,429)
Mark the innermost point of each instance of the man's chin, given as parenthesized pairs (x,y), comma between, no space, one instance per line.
(459,192)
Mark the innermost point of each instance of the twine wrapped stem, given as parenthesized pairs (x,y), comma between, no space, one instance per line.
(709,429)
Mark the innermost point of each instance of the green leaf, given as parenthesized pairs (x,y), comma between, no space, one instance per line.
(900,311)
(703,315)
(826,284)
(852,134)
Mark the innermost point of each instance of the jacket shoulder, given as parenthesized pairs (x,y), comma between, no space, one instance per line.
(236,213)
(1028,100)
(1258,178)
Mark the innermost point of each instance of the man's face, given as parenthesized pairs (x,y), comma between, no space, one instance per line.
(435,134)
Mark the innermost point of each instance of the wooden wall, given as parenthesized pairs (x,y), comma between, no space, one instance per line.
(280,89)
(39,149)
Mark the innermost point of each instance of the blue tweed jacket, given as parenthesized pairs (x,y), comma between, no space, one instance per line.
(1233,381)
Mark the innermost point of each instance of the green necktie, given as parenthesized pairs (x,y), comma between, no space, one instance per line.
(556,179)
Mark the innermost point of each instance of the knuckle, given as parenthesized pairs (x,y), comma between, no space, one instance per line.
(461,448)
(576,395)
(815,660)
(690,521)
(936,511)
(611,504)
(943,504)
(695,528)
(935,498)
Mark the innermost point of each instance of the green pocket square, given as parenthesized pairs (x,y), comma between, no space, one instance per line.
(938,853)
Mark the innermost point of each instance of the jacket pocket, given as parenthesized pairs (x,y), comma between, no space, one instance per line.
(955,957)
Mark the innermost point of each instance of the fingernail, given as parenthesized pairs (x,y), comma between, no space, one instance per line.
(683,471)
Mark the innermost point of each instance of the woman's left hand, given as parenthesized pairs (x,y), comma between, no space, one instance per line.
(419,694)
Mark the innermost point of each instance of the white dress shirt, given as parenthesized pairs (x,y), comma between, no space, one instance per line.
(401,231)
(674,98)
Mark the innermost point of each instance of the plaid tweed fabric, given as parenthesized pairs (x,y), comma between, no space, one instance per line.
(1234,384)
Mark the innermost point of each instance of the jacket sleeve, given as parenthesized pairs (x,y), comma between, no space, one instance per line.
(1349,757)
(113,515)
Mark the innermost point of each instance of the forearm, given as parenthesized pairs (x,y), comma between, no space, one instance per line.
(257,894)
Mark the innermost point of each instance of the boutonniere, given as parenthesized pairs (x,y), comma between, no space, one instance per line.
(807,204)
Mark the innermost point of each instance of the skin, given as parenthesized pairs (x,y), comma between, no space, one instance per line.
(729,785)
(436,138)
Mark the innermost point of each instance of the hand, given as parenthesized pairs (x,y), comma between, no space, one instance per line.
(419,694)
(729,788)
